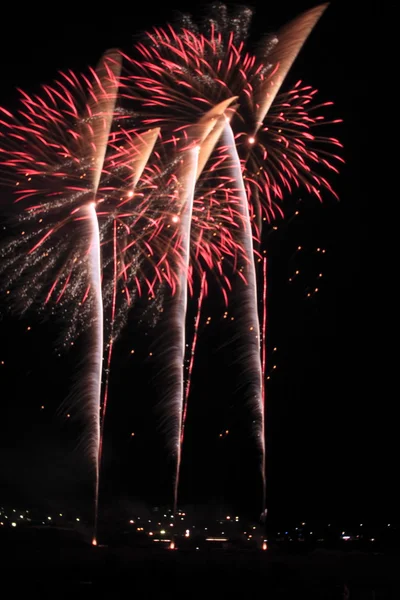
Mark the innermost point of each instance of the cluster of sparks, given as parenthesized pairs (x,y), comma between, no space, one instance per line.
(152,172)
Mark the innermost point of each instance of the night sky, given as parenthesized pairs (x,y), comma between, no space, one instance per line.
(330,437)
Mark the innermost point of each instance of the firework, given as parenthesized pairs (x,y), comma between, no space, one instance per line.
(54,154)
(182,72)
(134,182)
(189,74)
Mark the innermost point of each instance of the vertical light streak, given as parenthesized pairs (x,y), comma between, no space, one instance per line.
(101,107)
(109,357)
(249,310)
(192,354)
(187,196)
(263,367)
(96,356)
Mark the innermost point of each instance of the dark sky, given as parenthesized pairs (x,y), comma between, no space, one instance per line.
(331,442)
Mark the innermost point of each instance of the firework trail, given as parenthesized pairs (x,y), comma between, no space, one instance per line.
(188,181)
(193,352)
(102,103)
(250,321)
(282,53)
(139,160)
(263,370)
(96,355)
